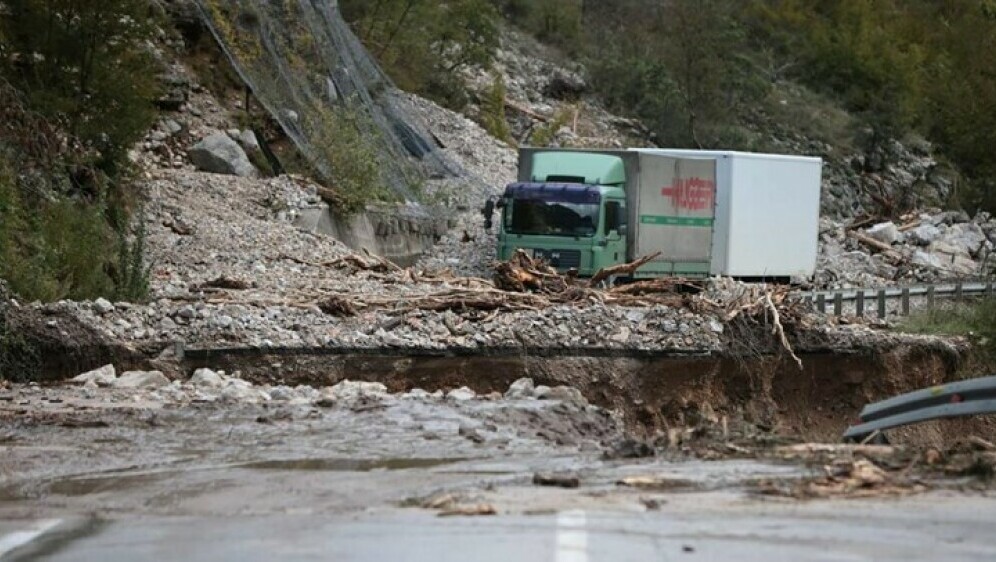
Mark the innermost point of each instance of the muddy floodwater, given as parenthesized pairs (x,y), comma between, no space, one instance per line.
(117,476)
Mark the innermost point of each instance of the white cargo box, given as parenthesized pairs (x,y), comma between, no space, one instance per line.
(767,209)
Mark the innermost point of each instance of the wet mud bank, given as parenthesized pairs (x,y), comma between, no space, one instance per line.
(654,391)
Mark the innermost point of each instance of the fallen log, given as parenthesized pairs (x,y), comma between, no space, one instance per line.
(621,269)
(886,250)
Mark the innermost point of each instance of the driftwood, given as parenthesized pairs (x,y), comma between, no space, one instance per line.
(621,269)
(779,331)
(525,111)
(224,282)
(886,250)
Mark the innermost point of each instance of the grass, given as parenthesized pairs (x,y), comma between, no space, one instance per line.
(975,321)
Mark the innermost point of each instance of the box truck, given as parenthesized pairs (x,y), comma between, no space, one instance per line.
(737,214)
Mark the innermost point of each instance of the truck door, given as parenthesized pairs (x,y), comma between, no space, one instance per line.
(676,214)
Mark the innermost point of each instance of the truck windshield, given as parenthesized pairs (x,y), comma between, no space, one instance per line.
(551,218)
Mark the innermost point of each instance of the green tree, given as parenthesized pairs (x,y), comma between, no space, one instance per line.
(423,45)
(86,63)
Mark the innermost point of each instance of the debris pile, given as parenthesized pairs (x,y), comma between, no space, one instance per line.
(924,247)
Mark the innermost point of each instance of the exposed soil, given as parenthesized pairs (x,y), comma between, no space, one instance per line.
(654,392)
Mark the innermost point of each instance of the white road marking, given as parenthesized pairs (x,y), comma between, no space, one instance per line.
(572,537)
(17,539)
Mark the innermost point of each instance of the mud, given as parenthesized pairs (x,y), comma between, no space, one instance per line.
(654,392)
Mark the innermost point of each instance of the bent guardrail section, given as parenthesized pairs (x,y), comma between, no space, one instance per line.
(957,399)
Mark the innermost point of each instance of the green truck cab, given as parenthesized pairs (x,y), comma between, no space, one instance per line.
(571,212)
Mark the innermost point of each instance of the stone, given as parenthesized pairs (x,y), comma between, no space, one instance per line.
(282,393)
(141,379)
(967,238)
(716,326)
(248,141)
(520,389)
(541,392)
(219,154)
(206,378)
(103,306)
(103,376)
(354,390)
(172,128)
(924,235)
(461,394)
(242,394)
(886,232)
(567,394)
(418,394)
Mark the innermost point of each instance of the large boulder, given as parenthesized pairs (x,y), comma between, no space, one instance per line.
(966,238)
(104,376)
(924,235)
(886,232)
(220,154)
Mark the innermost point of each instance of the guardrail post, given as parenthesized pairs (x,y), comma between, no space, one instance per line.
(881,303)
(989,289)
(859,304)
(906,301)
(959,291)
(821,303)
(838,304)
(930,297)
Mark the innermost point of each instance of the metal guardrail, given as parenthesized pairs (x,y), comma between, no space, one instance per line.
(957,399)
(834,299)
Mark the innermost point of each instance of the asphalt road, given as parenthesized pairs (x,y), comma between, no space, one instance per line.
(946,527)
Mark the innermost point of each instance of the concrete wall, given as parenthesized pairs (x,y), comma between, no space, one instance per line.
(400,233)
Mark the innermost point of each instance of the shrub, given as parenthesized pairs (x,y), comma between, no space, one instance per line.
(348,142)
(493,111)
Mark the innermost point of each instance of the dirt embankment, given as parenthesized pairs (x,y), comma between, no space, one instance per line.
(657,392)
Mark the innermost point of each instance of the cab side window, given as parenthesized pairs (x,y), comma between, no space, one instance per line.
(615,216)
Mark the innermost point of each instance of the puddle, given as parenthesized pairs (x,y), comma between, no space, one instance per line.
(348,465)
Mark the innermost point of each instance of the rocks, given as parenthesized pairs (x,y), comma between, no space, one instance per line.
(219,154)
(141,379)
(355,390)
(567,394)
(938,248)
(924,235)
(520,389)
(104,376)
(103,306)
(206,378)
(886,232)
(461,394)
(248,141)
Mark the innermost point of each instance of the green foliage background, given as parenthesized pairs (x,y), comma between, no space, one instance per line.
(77,86)
(699,72)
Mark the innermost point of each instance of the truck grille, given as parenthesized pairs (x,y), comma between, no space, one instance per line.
(561,259)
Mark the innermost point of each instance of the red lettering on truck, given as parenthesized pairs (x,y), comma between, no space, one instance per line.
(693,194)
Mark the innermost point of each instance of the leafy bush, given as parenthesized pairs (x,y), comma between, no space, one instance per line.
(493,111)
(348,141)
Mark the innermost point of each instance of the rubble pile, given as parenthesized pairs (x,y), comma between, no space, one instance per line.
(924,247)
(216,386)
